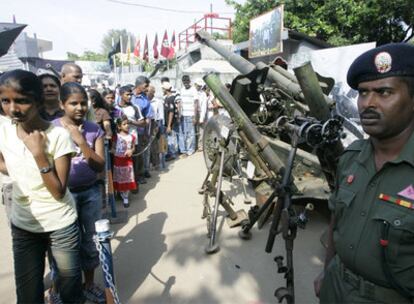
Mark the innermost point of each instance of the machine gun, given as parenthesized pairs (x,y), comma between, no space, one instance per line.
(267,104)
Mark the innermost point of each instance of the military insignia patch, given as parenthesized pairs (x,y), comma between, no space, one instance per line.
(383,62)
(407,192)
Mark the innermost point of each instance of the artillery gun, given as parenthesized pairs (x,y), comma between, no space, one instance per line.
(284,126)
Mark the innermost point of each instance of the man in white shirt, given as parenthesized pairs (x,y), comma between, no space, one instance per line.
(189,105)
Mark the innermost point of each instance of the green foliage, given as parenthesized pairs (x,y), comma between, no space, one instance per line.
(72,56)
(87,55)
(339,22)
(218,35)
(114,35)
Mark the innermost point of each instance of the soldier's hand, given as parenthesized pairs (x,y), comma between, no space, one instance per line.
(317,283)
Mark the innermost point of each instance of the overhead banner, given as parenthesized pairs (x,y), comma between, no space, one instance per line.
(265,34)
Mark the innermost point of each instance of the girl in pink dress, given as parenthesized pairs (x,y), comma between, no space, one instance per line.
(124,179)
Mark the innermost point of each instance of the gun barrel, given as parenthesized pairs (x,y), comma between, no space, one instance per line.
(312,91)
(243,122)
(238,62)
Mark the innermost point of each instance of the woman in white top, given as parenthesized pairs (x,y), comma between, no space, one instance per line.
(36,155)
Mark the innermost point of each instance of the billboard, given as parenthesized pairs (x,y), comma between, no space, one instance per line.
(265,33)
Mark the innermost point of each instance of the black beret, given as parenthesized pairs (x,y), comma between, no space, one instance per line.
(394,59)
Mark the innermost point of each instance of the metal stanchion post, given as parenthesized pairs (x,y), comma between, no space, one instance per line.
(114,216)
(109,188)
(103,244)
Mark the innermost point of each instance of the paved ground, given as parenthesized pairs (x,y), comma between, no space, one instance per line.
(159,252)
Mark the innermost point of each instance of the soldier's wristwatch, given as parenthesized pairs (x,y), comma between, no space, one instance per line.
(45,169)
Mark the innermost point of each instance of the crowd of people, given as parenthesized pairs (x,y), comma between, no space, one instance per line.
(55,130)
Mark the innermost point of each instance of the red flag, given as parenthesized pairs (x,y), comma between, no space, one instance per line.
(145,54)
(172,47)
(137,48)
(165,49)
(155,47)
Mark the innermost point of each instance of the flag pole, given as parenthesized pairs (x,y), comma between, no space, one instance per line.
(116,74)
(114,64)
(122,59)
(129,53)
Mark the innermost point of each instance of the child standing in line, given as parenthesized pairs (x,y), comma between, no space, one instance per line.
(86,164)
(124,179)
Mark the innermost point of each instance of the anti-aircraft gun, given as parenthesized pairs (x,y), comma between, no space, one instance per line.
(276,120)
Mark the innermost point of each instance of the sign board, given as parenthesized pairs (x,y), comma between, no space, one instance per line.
(265,34)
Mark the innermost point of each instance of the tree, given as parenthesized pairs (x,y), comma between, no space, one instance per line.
(87,55)
(72,56)
(339,22)
(115,34)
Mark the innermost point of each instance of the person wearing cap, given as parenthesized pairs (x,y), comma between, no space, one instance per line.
(370,253)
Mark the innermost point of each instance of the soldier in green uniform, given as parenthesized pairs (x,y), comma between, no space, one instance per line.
(370,254)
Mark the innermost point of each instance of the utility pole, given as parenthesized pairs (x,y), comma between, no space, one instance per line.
(211,18)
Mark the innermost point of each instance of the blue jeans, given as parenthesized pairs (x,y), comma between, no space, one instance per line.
(29,251)
(89,206)
(186,138)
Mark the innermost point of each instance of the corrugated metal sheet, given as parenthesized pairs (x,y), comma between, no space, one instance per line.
(10,61)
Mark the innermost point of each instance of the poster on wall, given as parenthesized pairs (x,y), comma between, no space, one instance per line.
(265,33)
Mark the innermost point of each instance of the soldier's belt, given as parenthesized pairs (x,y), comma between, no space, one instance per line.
(369,290)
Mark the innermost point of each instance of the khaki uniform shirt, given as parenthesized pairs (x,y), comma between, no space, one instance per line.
(362,201)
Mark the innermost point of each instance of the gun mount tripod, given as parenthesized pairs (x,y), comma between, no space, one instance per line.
(213,188)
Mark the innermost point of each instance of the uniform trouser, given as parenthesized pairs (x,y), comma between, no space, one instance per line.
(340,285)
(29,251)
